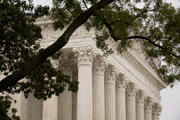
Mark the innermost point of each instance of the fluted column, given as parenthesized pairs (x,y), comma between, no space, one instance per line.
(110,104)
(50,108)
(140,105)
(84,97)
(65,105)
(66,64)
(148,109)
(130,102)
(156,111)
(120,97)
(32,109)
(98,89)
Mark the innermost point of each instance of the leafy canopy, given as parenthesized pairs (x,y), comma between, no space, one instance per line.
(18,43)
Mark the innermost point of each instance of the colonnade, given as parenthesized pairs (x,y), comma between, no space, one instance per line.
(104,94)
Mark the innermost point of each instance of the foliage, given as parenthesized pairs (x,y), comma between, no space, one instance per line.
(5,108)
(156,24)
(18,43)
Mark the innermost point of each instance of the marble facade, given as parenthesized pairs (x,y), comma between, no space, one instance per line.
(115,87)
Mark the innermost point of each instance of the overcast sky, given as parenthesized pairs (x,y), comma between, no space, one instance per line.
(170,103)
(170,96)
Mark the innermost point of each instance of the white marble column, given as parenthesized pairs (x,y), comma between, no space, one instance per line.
(148,109)
(84,97)
(74,106)
(120,97)
(156,111)
(110,102)
(50,108)
(67,65)
(98,89)
(18,104)
(65,105)
(130,102)
(140,105)
(31,108)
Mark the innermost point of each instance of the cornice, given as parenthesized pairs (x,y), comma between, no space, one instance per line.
(142,67)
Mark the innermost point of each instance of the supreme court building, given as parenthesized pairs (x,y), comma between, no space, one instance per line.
(114,87)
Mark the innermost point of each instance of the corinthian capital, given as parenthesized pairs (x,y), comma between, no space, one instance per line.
(110,74)
(157,109)
(140,96)
(65,62)
(85,55)
(98,64)
(131,90)
(148,103)
(120,81)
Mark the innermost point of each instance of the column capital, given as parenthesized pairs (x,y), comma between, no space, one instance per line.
(140,97)
(85,55)
(67,62)
(156,109)
(148,103)
(120,81)
(98,64)
(131,90)
(110,73)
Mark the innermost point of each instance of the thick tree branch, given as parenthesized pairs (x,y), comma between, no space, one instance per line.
(110,29)
(38,59)
(153,43)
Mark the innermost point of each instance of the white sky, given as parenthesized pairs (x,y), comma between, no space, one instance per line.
(170,103)
(170,96)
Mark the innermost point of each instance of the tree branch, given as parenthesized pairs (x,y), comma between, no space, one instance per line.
(85,4)
(153,43)
(109,27)
(140,14)
(38,59)
(111,32)
(136,17)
